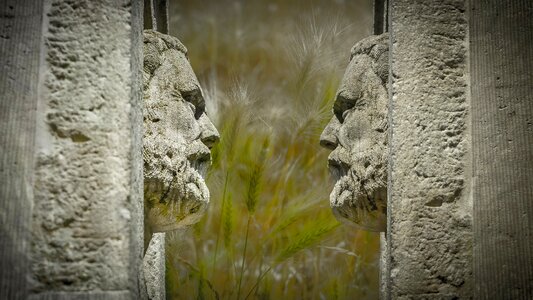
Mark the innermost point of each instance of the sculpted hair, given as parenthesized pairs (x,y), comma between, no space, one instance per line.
(377,48)
(155,44)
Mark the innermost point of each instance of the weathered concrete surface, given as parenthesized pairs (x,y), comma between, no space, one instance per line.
(178,136)
(20,41)
(357,135)
(153,270)
(429,238)
(501,36)
(87,216)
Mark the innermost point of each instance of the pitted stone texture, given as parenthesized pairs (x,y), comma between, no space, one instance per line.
(177,136)
(430,238)
(87,216)
(153,269)
(357,134)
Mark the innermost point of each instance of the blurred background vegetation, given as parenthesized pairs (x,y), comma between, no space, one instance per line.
(269,71)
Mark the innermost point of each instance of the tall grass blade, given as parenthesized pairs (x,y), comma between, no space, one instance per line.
(305,240)
(218,233)
(244,256)
(227,221)
(255,178)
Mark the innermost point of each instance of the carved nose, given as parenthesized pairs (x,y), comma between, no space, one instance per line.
(210,135)
(328,138)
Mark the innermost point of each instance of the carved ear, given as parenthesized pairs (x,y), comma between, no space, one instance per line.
(381,67)
(383,125)
(151,58)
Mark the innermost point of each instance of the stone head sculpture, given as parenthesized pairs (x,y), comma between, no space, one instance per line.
(357,136)
(178,136)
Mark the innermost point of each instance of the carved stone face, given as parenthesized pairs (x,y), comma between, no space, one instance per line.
(357,136)
(178,136)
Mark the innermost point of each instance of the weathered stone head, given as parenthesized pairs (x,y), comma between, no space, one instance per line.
(178,136)
(357,134)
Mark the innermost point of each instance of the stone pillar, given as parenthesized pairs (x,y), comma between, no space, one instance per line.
(20,44)
(429,206)
(501,64)
(73,158)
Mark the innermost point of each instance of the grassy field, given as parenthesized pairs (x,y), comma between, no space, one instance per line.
(269,70)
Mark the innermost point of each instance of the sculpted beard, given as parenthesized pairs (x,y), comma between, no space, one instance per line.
(360,193)
(174,188)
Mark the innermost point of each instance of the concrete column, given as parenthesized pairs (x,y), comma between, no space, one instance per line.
(20,41)
(501,39)
(429,207)
(71,206)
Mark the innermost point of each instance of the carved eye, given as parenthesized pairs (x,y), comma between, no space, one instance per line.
(345,114)
(192,107)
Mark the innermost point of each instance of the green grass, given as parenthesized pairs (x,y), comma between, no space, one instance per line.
(269,71)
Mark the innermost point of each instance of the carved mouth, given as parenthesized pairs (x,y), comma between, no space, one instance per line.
(338,168)
(200,162)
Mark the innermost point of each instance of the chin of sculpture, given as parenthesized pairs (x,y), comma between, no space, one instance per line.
(175,202)
(362,209)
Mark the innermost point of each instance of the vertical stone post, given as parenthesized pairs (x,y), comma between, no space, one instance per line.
(72,167)
(429,207)
(501,38)
(87,217)
(380,24)
(156,15)
(20,44)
